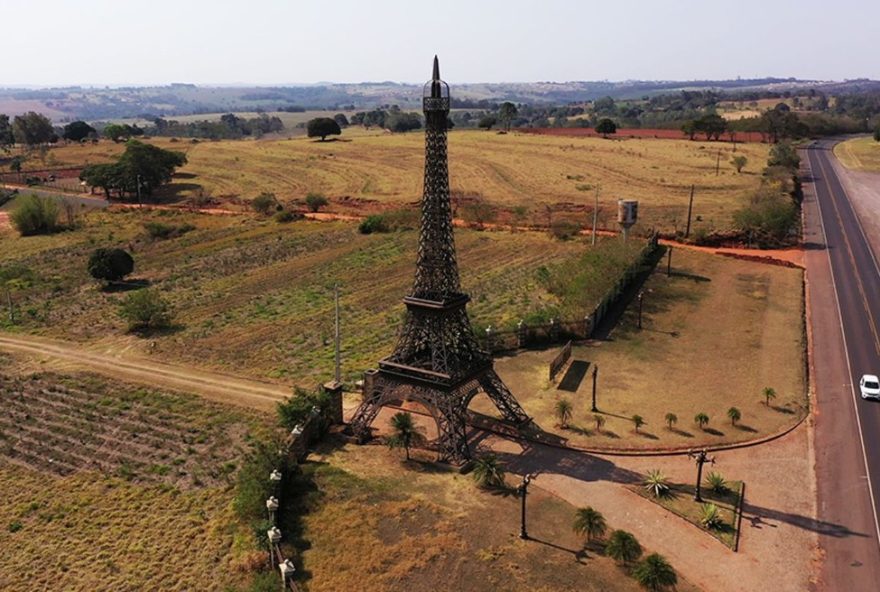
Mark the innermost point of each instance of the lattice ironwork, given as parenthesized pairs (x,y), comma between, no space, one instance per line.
(437,361)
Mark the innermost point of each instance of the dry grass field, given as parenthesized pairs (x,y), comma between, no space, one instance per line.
(861,154)
(378,523)
(115,487)
(368,170)
(254,297)
(715,334)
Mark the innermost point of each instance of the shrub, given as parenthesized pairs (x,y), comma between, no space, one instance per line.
(564,229)
(373,223)
(655,573)
(161,230)
(389,221)
(739,162)
(295,410)
(623,547)
(36,215)
(769,218)
(315,201)
(406,433)
(145,310)
(590,523)
(252,486)
(563,410)
(265,203)
(785,155)
(710,517)
(285,216)
(110,265)
(716,482)
(656,483)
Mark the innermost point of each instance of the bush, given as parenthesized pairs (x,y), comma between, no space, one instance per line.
(265,203)
(145,310)
(489,472)
(315,201)
(110,265)
(252,486)
(623,547)
(564,229)
(286,216)
(36,215)
(161,230)
(656,483)
(770,218)
(295,410)
(373,223)
(710,518)
(784,154)
(716,483)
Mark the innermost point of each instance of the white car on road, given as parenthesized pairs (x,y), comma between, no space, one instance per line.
(869,386)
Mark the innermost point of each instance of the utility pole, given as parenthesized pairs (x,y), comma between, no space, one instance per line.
(700,458)
(11,308)
(140,205)
(337,374)
(669,261)
(595,374)
(595,217)
(718,163)
(687,231)
(523,492)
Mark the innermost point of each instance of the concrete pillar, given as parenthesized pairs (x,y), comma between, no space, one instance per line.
(334,390)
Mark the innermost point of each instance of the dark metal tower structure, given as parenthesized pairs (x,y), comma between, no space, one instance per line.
(437,361)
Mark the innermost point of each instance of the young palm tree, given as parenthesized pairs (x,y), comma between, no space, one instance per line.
(716,482)
(623,547)
(489,471)
(638,421)
(655,573)
(710,517)
(734,415)
(671,419)
(769,395)
(702,419)
(564,410)
(405,432)
(656,483)
(600,421)
(590,523)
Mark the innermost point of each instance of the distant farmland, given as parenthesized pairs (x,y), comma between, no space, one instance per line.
(382,170)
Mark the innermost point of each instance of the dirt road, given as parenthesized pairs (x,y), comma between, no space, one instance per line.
(211,385)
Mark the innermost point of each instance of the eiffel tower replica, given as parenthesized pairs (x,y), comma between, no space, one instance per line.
(437,361)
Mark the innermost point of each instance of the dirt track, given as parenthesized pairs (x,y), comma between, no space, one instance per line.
(214,386)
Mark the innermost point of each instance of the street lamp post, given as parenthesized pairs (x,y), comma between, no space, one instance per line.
(595,374)
(700,458)
(523,490)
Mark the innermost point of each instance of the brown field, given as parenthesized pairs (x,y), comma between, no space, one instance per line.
(115,487)
(364,171)
(715,334)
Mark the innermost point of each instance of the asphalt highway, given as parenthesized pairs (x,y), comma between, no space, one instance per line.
(848,428)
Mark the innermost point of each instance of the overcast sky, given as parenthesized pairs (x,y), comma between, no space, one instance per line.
(63,42)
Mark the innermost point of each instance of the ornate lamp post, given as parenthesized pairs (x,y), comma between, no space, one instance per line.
(700,458)
(523,491)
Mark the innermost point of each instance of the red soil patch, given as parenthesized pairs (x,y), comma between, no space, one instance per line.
(627,133)
(4,221)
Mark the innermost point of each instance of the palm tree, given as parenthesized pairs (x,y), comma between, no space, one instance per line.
(489,471)
(656,483)
(769,395)
(405,432)
(564,411)
(623,547)
(638,421)
(734,415)
(600,421)
(655,573)
(590,523)
(702,419)
(671,419)
(710,517)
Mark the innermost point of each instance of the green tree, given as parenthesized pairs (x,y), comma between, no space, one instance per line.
(589,523)
(689,128)
(77,131)
(702,419)
(739,163)
(671,419)
(35,215)
(623,547)
(32,129)
(734,414)
(656,483)
(405,433)
(489,472)
(638,421)
(341,120)
(506,113)
(784,154)
(6,135)
(769,395)
(119,132)
(316,201)
(321,127)
(110,265)
(487,122)
(398,121)
(296,410)
(145,310)
(655,573)
(148,165)
(265,203)
(564,410)
(713,125)
(606,126)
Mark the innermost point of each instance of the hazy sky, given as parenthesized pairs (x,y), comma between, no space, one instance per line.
(59,42)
